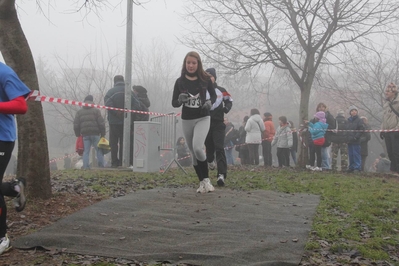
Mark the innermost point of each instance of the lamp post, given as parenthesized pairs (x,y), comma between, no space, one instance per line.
(128,84)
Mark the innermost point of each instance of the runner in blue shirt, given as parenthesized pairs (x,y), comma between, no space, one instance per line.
(12,101)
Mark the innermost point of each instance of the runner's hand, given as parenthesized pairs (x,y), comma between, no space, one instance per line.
(207,105)
(183,98)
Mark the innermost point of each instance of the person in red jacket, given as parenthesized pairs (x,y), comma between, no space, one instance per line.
(12,101)
(267,139)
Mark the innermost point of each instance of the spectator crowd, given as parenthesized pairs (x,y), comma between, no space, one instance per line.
(333,142)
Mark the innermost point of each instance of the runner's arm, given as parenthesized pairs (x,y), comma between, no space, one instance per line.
(15,106)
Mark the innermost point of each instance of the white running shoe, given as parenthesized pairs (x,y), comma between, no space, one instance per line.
(220,180)
(201,188)
(208,185)
(308,166)
(4,244)
(317,169)
(211,166)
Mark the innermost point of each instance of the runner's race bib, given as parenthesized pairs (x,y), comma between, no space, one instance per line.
(194,101)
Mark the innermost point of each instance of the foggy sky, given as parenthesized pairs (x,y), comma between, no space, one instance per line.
(61,30)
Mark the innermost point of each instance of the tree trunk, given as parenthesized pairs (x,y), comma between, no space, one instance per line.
(33,160)
(303,135)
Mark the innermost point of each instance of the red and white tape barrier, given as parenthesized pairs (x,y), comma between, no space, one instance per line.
(35,96)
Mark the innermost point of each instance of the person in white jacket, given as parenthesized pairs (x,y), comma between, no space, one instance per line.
(283,139)
(254,128)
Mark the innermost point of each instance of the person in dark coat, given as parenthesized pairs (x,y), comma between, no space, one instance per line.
(356,126)
(67,161)
(364,140)
(294,148)
(53,164)
(215,139)
(242,147)
(339,142)
(90,124)
(228,141)
(141,94)
(115,97)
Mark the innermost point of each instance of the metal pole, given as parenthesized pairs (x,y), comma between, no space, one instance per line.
(128,84)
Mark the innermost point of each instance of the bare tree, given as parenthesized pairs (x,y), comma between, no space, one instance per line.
(361,81)
(155,69)
(93,76)
(298,36)
(32,144)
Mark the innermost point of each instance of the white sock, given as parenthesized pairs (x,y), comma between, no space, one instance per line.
(17,188)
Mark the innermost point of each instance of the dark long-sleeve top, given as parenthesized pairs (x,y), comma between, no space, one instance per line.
(364,139)
(355,123)
(199,91)
(222,105)
(115,97)
(294,140)
(182,151)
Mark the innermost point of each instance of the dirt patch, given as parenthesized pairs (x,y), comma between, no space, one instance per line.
(38,214)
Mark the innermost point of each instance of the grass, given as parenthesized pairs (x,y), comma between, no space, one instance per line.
(356,212)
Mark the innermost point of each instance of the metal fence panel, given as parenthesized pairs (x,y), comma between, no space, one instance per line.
(168,139)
